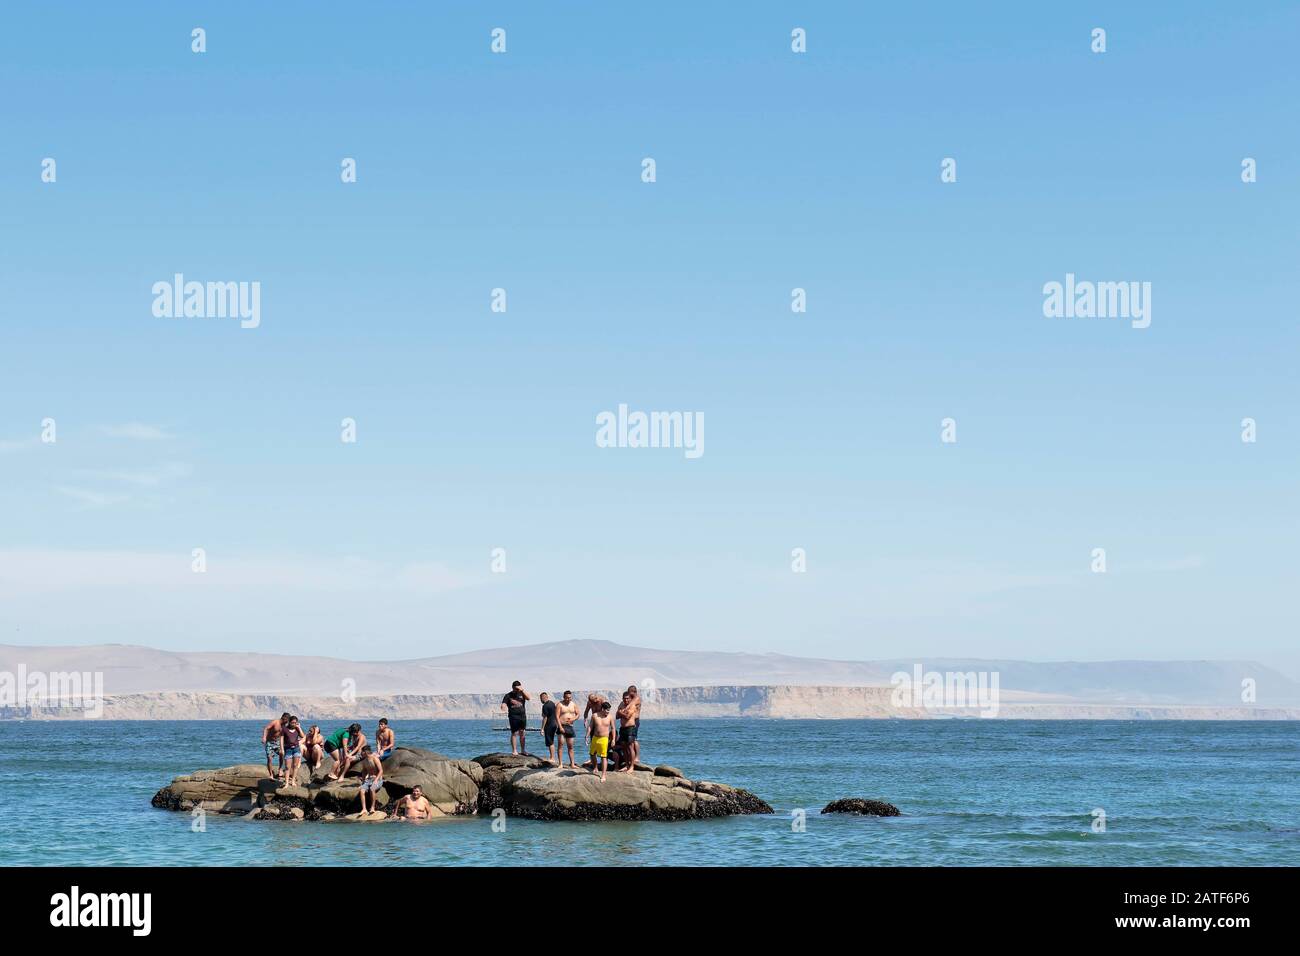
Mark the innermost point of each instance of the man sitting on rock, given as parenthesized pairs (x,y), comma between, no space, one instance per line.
(601,726)
(273,744)
(414,806)
(372,778)
(385,739)
(344,746)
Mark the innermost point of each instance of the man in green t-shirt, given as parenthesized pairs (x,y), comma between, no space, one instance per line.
(344,746)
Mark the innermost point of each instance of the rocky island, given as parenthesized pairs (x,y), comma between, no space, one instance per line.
(521,786)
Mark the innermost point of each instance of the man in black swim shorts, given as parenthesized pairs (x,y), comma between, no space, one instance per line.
(515,704)
(550,726)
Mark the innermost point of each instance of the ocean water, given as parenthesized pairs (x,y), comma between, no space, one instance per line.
(1216,793)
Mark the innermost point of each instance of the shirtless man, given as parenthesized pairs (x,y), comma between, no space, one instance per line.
(385,739)
(568,713)
(629,718)
(372,778)
(594,702)
(601,727)
(273,744)
(414,806)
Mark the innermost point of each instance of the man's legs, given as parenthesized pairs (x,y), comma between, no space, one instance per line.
(343,761)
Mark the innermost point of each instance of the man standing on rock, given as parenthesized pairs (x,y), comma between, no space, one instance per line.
(568,713)
(515,704)
(595,700)
(628,715)
(550,727)
(273,744)
(601,727)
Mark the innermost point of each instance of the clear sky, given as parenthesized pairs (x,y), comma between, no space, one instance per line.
(775,170)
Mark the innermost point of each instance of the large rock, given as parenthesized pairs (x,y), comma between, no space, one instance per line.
(450,785)
(229,790)
(522,786)
(861,807)
(549,794)
(497,771)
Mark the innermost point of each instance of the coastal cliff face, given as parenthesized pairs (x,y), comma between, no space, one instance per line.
(771,702)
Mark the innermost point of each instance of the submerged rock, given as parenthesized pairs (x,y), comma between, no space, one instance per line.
(857,805)
(522,786)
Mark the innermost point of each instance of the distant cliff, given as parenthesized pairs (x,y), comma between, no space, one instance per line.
(771,702)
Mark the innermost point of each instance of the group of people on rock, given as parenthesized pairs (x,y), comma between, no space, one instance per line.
(284,740)
(559,720)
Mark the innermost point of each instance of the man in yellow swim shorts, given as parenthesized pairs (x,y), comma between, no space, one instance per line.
(602,728)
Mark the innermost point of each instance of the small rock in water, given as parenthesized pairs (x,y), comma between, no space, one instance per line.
(871,808)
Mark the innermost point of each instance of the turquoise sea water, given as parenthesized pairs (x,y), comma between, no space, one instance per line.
(971,791)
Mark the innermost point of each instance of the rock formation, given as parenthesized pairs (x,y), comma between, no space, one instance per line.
(870,808)
(521,786)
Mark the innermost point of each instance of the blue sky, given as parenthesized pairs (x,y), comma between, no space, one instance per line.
(774,171)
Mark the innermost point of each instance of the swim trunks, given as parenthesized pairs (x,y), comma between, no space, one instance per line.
(549,734)
(371,784)
(518,723)
(386,754)
(627,735)
(272,748)
(600,746)
(567,730)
